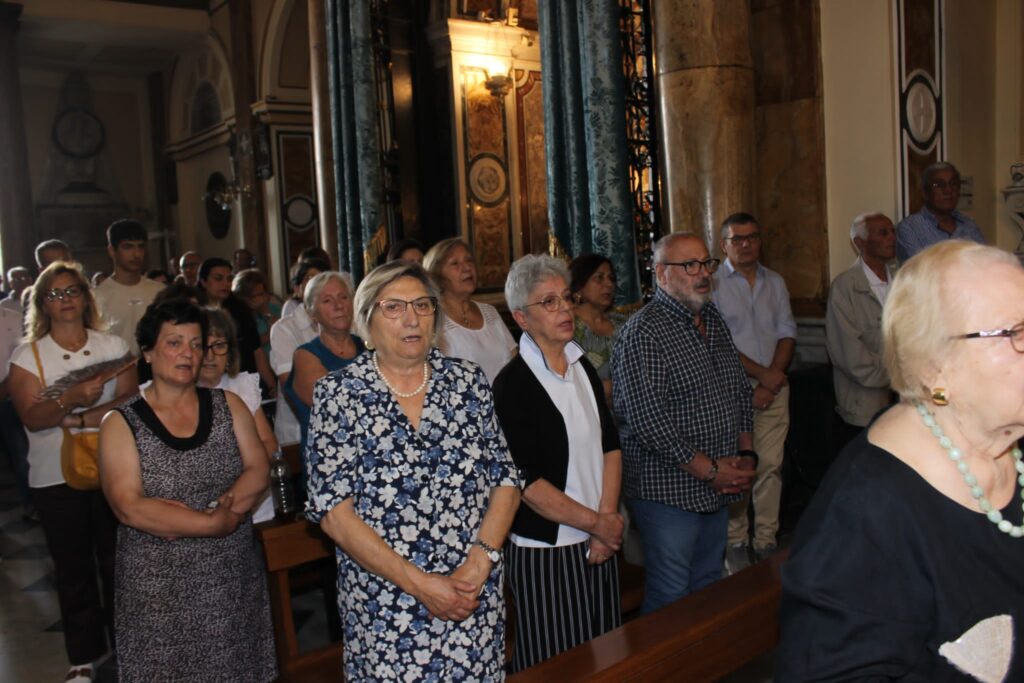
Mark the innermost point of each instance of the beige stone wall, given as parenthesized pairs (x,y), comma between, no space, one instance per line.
(860,118)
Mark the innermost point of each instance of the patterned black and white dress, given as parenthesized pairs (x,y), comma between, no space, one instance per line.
(425,492)
(190,609)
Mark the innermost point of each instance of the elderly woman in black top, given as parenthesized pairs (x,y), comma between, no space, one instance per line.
(550,403)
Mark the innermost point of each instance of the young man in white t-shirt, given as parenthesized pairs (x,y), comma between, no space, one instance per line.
(123,297)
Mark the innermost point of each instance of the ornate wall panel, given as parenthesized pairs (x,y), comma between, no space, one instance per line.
(488,205)
(920,79)
(533,196)
(296,192)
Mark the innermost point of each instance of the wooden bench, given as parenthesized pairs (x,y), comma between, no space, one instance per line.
(287,545)
(702,637)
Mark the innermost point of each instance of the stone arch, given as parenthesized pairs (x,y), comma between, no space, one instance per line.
(284,57)
(200,85)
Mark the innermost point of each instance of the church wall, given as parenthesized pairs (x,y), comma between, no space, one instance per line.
(860,118)
(970,109)
(124,166)
(985,115)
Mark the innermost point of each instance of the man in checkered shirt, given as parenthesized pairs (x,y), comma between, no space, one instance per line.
(686,420)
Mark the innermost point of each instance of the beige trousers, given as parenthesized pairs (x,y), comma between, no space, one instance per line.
(770,428)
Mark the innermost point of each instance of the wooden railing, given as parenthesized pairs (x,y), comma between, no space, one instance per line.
(702,637)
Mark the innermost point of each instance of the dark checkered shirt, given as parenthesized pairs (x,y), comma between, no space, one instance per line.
(677,394)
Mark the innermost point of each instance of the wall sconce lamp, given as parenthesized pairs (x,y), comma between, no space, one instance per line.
(501,82)
(224,193)
(499,85)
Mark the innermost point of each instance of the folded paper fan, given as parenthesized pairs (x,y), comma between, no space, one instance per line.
(108,368)
(984,651)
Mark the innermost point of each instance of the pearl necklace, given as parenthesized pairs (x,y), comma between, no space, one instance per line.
(956,455)
(396,392)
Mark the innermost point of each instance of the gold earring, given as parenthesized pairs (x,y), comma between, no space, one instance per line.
(939,397)
(368,344)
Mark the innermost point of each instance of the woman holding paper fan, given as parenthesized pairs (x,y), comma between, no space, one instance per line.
(62,337)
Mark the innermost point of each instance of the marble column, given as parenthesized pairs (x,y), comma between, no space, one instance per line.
(17,228)
(321,92)
(705,95)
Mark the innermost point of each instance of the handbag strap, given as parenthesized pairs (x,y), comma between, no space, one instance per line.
(42,375)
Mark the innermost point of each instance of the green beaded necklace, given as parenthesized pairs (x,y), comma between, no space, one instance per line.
(956,455)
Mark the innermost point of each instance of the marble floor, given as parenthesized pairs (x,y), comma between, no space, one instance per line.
(31,636)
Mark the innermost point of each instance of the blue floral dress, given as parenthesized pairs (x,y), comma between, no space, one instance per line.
(425,492)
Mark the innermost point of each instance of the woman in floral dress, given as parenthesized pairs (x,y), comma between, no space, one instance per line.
(409,473)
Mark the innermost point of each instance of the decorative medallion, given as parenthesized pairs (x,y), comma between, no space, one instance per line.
(488,179)
(921,111)
(78,133)
(300,212)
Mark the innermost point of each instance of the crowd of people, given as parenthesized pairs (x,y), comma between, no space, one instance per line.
(446,459)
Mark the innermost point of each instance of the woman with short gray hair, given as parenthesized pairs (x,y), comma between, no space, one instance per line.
(550,402)
(328,300)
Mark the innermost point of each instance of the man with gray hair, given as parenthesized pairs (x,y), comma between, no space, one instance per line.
(938,219)
(686,423)
(853,326)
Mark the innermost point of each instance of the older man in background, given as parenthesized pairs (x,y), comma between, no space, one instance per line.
(189,267)
(938,219)
(755,304)
(52,250)
(684,404)
(853,326)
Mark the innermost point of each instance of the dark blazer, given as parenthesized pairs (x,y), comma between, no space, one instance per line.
(537,438)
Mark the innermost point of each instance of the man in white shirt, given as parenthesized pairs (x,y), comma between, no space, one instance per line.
(124,296)
(755,304)
(853,326)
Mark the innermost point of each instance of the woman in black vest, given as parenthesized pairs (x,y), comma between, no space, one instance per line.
(550,403)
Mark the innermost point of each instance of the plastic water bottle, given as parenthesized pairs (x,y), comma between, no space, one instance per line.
(281,487)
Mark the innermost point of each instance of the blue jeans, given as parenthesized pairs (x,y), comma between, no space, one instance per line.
(682,550)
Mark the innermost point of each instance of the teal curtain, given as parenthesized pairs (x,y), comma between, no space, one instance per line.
(357,173)
(589,204)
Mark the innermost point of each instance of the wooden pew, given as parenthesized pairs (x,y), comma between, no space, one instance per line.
(702,637)
(286,545)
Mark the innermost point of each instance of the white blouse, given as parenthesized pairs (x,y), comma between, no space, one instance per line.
(491,347)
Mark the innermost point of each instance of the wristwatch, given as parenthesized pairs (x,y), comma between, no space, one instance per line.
(493,555)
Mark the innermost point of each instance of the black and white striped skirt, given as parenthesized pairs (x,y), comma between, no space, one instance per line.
(561,601)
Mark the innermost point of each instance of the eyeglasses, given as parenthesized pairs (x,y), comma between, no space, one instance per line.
(693,267)
(745,239)
(72,292)
(943,185)
(1015,333)
(220,348)
(553,302)
(395,308)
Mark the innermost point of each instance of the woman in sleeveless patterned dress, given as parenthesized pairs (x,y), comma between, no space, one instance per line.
(182,468)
